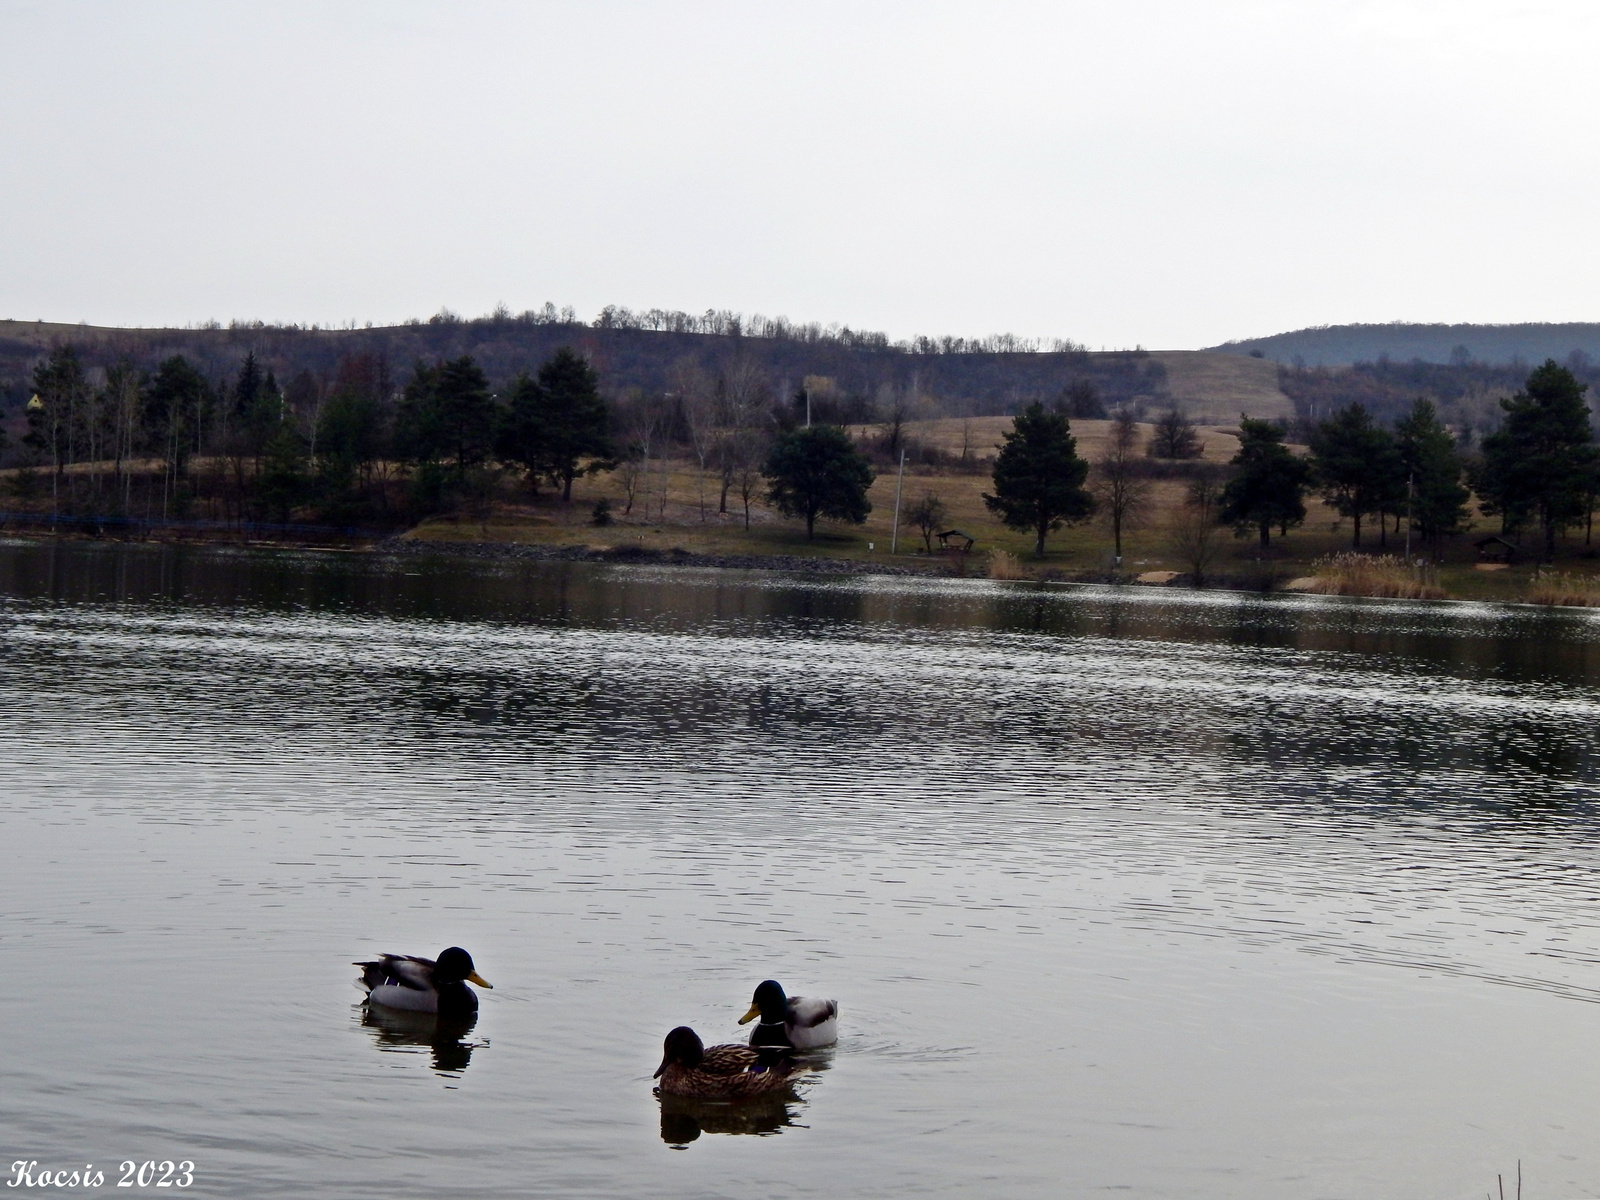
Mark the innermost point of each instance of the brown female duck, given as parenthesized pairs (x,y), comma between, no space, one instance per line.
(726,1072)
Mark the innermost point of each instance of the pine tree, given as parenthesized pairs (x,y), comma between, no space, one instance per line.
(1437,499)
(575,421)
(281,481)
(447,415)
(818,472)
(351,426)
(1268,484)
(174,400)
(1038,476)
(1357,466)
(466,412)
(523,436)
(1542,462)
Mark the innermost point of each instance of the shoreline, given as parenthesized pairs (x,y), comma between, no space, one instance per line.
(1267,584)
(634,554)
(1242,584)
(629,553)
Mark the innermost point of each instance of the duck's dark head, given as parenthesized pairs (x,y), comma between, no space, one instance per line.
(769,1003)
(455,966)
(684,1047)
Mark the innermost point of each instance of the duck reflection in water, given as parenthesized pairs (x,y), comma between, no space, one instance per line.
(402,1032)
(683,1118)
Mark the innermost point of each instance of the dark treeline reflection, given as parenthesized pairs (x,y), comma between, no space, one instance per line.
(1511,642)
(1348,701)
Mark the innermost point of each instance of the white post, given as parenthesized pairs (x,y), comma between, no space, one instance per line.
(894,538)
(1411,483)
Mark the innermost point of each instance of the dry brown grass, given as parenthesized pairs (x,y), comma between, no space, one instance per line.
(1560,588)
(1005,565)
(1219,387)
(982,437)
(671,517)
(1382,575)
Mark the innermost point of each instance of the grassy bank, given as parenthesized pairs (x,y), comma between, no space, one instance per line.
(675,508)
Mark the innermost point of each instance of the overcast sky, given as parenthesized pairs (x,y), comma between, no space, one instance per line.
(1169,173)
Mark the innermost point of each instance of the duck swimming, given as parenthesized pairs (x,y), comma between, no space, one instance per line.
(721,1073)
(801,1022)
(423,984)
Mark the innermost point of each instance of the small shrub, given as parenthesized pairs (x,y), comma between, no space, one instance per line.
(1384,575)
(602,511)
(428,490)
(928,515)
(26,483)
(1561,589)
(1004,565)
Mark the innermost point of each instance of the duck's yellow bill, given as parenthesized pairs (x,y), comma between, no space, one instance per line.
(755,1011)
(474,977)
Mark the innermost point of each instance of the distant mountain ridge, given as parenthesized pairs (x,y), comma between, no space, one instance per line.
(1342,345)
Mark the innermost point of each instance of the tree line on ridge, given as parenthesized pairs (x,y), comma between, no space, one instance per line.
(362,447)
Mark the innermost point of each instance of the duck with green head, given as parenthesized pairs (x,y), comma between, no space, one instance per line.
(427,985)
(800,1022)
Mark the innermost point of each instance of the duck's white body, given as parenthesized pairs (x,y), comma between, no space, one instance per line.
(401,981)
(808,1024)
(393,995)
(812,1022)
(406,982)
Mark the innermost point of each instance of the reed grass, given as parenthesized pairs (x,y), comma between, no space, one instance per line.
(1383,575)
(1005,565)
(1560,588)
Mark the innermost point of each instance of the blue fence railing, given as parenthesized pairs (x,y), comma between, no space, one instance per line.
(33,520)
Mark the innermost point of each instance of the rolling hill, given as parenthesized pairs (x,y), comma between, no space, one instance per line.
(1342,345)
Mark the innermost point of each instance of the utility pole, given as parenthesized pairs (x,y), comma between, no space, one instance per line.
(899,483)
(1411,486)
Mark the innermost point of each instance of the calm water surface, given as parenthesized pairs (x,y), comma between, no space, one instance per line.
(1126,892)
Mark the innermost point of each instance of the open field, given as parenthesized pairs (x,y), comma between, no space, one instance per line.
(982,436)
(1082,551)
(676,507)
(1218,387)
(682,522)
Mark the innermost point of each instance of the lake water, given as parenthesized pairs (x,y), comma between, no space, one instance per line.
(1127,892)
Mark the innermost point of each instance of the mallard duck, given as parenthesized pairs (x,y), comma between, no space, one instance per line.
(802,1022)
(720,1073)
(423,984)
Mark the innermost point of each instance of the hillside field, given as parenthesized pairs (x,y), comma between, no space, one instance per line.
(1075,552)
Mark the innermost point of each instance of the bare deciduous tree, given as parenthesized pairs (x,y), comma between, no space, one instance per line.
(927,515)
(749,451)
(1194,534)
(642,421)
(892,431)
(1174,436)
(123,399)
(697,398)
(1120,491)
(742,393)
